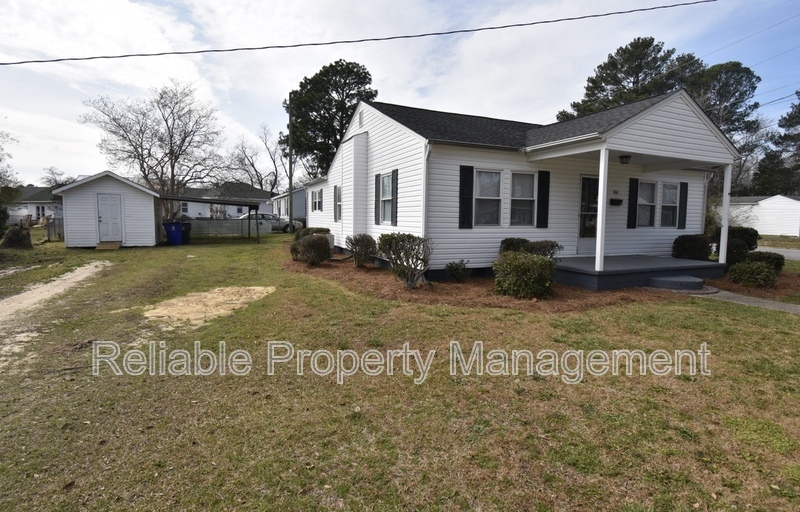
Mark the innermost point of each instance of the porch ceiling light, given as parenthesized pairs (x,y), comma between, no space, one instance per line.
(624,159)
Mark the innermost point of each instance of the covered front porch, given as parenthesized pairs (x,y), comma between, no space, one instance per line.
(631,270)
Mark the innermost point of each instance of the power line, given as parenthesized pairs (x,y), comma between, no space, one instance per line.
(357,41)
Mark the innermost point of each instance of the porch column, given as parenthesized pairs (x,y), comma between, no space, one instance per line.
(602,199)
(726,210)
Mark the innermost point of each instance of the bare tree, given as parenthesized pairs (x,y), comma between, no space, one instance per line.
(170,140)
(52,177)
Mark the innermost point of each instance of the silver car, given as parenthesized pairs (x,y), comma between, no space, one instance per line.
(278,223)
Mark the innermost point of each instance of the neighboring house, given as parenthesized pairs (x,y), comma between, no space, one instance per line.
(229,192)
(769,215)
(38,202)
(106,207)
(625,181)
(281,204)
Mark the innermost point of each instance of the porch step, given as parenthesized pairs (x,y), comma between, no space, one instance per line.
(676,283)
(106,246)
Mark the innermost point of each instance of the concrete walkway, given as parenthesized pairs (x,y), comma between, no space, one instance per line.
(753,301)
(789,254)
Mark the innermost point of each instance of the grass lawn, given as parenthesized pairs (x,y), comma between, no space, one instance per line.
(783,242)
(71,440)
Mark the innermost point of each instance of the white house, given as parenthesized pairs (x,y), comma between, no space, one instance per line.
(281,204)
(625,181)
(769,215)
(228,191)
(106,207)
(34,203)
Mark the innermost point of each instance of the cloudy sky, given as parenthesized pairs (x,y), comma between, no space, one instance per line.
(526,74)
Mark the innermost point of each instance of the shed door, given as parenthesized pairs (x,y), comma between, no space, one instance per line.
(109,217)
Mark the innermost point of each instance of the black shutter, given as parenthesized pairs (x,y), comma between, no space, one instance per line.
(633,202)
(683,196)
(465,189)
(394,197)
(320,200)
(335,195)
(543,199)
(377,199)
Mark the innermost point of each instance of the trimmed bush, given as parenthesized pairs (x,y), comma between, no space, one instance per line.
(524,275)
(302,233)
(692,247)
(313,250)
(409,256)
(777,261)
(294,250)
(749,236)
(546,248)
(737,251)
(458,270)
(363,247)
(754,274)
(513,244)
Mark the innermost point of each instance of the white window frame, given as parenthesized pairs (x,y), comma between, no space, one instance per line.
(669,205)
(640,203)
(316,203)
(386,219)
(476,197)
(184,207)
(531,199)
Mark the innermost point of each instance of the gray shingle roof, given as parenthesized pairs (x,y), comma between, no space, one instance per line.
(458,128)
(485,131)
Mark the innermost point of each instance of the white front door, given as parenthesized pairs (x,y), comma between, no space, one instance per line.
(109,217)
(587,228)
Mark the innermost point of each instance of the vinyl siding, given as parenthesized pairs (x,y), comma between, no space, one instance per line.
(377,146)
(480,244)
(673,129)
(777,215)
(80,214)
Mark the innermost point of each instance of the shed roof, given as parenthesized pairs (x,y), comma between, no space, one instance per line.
(103,174)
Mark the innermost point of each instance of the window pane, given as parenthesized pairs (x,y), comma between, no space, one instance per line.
(647,193)
(386,187)
(646,214)
(669,194)
(521,212)
(488,184)
(522,185)
(669,216)
(487,212)
(387,211)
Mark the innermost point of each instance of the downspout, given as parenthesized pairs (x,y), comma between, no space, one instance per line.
(426,157)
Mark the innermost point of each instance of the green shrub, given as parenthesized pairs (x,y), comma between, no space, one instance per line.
(302,233)
(363,247)
(4,215)
(749,236)
(409,256)
(458,270)
(777,261)
(524,275)
(737,251)
(294,249)
(546,248)
(692,247)
(757,274)
(313,250)
(513,244)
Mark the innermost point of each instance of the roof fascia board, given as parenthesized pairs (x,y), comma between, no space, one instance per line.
(103,174)
(578,146)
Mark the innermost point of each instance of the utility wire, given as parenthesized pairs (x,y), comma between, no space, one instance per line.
(357,41)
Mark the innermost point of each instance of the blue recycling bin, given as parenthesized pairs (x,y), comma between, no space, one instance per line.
(174,232)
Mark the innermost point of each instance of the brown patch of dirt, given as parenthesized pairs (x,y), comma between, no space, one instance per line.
(788,284)
(477,292)
(197,308)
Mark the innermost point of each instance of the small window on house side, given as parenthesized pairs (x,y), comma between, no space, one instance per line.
(522,199)
(337,203)
(487,198)
(646,211)
(386,198)
(184,207)
(669,205)
(239,210)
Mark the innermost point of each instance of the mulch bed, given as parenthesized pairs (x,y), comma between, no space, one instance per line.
(477,292)
(788,284)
